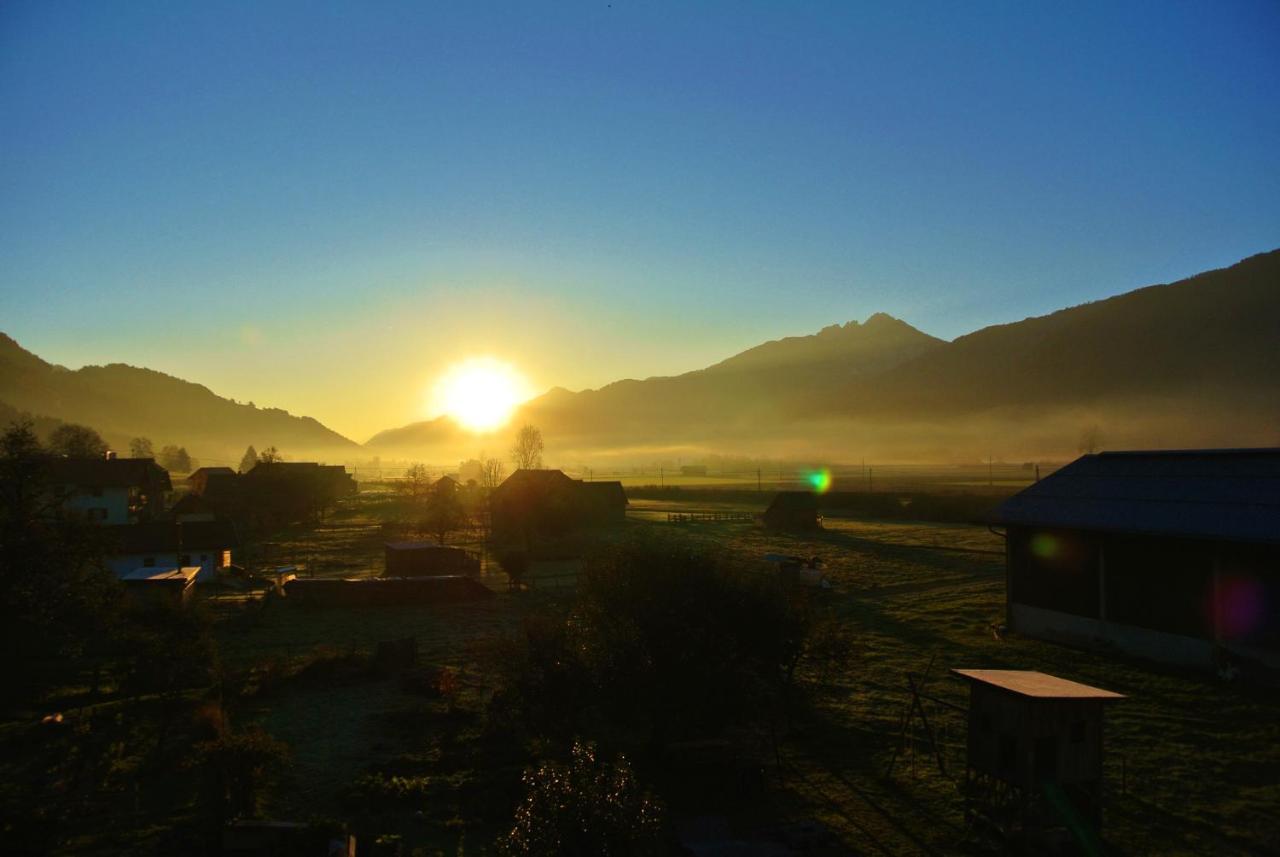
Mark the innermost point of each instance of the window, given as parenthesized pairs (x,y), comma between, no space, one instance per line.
(226,559)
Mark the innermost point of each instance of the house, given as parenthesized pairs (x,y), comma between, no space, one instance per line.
(206,545)
(420,559)
(210,480)
(793,510)
(1169,555)
(159,587)
(110,490)
(292,490)
(548,503)
(1034,757)
(193,507)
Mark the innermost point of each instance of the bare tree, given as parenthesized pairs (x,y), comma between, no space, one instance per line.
(527,452)
(491,473)
(270,455)
(1090,440)
(140,447)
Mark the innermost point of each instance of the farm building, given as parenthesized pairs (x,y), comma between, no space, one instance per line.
(548,503)
(111,490)
(1173,556)
(159,587)
(1035,750)
(210,479)
(206,545)
(424,559)
(793,510)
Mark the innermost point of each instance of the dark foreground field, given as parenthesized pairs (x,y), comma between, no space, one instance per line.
(1191,761)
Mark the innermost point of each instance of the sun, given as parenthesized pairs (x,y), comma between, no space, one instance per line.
(480,393)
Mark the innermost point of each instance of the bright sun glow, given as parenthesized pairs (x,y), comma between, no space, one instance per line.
(480,393)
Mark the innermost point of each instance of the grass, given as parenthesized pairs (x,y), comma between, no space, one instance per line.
(1198,758)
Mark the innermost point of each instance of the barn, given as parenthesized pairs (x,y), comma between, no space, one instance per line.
(533,503)
(793,510)
(1168,555)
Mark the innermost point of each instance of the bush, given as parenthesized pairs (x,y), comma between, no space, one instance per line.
(239,769)
(377,791)
(584,807)
(662,643)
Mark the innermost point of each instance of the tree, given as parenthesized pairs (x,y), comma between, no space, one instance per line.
(270,455)
(76,441)
(491,473)
(140,447)
(527,452)
(1090,440)
(250,459)
(176,459)
(55,593)
(444,512)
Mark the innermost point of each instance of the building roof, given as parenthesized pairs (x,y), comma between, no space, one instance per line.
(108,472)
(1226,494)
(604,492)
(161,536)
(1036,685)
(794,501)
(540,479)
(185,574)
(203,472)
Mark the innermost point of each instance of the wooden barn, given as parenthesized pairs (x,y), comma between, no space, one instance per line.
(1034,762)
(424,559)
(793,510)
(1169,555)
(533,503)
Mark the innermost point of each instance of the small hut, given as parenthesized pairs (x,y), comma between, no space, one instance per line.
(423,559)
(793,510)
(1035,753)
(146,588)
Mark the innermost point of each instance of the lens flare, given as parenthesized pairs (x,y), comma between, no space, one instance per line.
(1243,605)
(820,480)
(1045,546)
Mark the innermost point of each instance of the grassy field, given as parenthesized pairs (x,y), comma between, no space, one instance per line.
(1192,762)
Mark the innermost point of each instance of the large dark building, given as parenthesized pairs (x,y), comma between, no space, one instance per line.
(531,503)
(1170,555)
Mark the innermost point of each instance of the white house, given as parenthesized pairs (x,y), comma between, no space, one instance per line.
(111,490)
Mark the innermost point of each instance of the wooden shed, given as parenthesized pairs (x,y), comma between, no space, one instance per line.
(793,510)
(147,588)
(1035,751)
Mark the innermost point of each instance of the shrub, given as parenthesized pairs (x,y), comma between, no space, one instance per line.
(584,807)
(239,768)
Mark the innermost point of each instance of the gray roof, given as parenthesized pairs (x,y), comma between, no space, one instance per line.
(1224,494)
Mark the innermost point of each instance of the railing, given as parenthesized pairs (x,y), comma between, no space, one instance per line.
(693,517)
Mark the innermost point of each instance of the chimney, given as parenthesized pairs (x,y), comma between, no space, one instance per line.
(110,455)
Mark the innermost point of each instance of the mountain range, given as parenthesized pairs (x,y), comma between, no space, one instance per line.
(1190,363)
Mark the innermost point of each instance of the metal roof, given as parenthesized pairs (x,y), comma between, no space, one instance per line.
(1036,685)
(186,574)
(1225,494)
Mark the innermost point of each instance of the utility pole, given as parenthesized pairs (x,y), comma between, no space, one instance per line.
(868,480)
(662,479)
(989,483)
(758,480)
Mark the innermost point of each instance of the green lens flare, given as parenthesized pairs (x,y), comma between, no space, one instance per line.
(820,480)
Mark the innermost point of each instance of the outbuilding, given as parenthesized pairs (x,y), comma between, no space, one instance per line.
(424,559)
(1169,555)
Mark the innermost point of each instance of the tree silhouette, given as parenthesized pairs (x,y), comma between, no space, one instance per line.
(250,459)
(140,447)
(76,441)
(527,452)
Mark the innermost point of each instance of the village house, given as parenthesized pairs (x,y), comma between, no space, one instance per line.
(207,545)
(1169,555)
(549,503)
(110,490)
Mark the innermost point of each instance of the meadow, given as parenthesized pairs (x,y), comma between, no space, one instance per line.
(1188,755)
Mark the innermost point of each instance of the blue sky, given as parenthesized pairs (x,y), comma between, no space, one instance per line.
(320,206)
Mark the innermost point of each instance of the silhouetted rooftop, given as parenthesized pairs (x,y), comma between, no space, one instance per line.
(108,472)
(1228,494)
